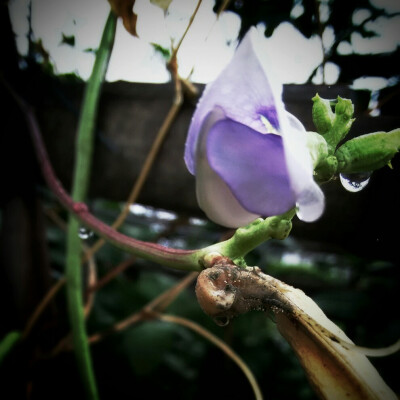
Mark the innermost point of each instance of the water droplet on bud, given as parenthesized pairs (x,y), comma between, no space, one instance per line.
(85,233)
(355,182)
(310,204)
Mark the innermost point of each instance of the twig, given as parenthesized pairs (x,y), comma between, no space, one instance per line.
(217,342)
(159,303)
(176,49)
(223,7)
(42,306)
(320,34)
(112,274)
(92,279)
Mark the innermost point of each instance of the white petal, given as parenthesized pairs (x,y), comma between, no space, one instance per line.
(310,198)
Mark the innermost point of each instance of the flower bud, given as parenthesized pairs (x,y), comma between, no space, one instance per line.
(343,119)
(344,107)
(249,155)
(322,114)
(368,152)
(334,126)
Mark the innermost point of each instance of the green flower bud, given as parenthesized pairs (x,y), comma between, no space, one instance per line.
(344,108)
(343,119)
(341,124)
(334,126)
(322,114)
(368,152)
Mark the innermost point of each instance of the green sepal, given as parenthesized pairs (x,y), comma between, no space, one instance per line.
(368,152)
(325,165)
(317,147)
(326,169)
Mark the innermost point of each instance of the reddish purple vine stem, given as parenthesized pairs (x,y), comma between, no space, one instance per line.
(175,258)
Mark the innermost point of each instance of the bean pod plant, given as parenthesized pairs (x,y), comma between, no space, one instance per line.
(256,168)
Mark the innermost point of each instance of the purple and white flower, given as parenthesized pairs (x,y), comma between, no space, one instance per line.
(248,154)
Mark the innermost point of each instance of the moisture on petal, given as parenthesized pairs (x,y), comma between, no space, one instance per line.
(311,203)
(252,165)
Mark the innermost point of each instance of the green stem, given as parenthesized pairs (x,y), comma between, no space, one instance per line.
(249,237)
(84,147)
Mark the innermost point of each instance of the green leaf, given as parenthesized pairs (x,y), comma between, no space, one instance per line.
(165,53)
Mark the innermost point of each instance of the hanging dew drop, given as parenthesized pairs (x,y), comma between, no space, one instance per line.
(355,182)
(85,233)
(309,205)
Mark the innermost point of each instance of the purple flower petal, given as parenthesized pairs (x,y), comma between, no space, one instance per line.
(213,195)
(216,199)
(252,165)
(244,93)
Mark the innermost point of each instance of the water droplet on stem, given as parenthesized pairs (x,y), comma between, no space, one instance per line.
(85,233)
